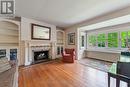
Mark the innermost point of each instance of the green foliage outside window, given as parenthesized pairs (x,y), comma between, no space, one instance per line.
(113,40)
(101,39)
(125,39)
(129,37)
(92,40)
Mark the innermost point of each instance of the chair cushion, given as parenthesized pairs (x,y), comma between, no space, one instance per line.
(65,54)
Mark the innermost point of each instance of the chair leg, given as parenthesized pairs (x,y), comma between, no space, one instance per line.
(128,84)
(108,81)
(117,82)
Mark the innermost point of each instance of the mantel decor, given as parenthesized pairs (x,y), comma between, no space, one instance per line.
(40,32)
(71,39)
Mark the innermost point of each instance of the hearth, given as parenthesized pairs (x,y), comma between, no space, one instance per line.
(41,56)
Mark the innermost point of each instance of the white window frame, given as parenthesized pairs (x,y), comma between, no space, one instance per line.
(118,30)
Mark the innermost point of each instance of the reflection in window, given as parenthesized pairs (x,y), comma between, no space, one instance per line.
(58,50)
(61,49)
(82,41)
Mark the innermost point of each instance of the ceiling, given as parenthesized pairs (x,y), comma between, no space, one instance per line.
(65,13)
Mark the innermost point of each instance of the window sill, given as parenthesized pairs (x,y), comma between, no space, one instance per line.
(106,50)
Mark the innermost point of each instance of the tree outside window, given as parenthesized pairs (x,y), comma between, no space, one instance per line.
(113,40)
(92,40)
(125,39)
(101,39)
(128,38)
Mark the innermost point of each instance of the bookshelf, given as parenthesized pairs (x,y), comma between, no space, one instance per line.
(60,43)
(9,34)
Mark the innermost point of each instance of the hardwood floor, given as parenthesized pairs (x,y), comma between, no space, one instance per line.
(57,74)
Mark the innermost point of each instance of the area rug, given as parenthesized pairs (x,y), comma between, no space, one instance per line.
(97,64)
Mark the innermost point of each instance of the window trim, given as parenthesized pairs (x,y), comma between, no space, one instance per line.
(106,42)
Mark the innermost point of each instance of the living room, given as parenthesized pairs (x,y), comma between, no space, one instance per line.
(65,43)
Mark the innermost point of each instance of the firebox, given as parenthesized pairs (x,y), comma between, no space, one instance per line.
(41,56)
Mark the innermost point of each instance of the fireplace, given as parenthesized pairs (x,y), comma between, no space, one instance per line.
(41,56)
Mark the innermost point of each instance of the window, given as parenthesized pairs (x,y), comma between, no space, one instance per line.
(101,39)
(113,40)
(92,40)
(82,42)
(125,39)
(128,38)
(120,39)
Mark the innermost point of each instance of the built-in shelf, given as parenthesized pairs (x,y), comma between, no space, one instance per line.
(8,39)
(60,37)
(9,34)
(60,43)
(9,28)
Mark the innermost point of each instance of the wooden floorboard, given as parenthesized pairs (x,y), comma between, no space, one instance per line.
(58,74)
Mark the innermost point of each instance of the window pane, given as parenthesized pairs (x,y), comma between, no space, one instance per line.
(89,39)
(101,40)
(92,40)
(123,39)
(113,39)
(129,38)
(82,42)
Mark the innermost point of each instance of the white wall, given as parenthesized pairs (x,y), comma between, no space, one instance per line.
(67,31)
(107,56)
(26,30)
(26,38)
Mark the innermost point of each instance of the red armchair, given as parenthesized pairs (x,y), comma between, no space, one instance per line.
(68,55)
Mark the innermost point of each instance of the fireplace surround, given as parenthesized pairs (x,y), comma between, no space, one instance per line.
(41,56)
(29,47)
(40,52)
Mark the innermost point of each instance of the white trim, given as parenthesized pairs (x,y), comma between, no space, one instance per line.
(104,50)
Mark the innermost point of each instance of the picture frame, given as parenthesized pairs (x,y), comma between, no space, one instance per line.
(39,32)
(71,39)
(2,53)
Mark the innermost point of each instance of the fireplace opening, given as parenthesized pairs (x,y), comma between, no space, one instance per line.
(41,56)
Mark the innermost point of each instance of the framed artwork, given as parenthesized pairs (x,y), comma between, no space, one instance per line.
(13,54)
(2,53)
(40,32)
(71,39)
